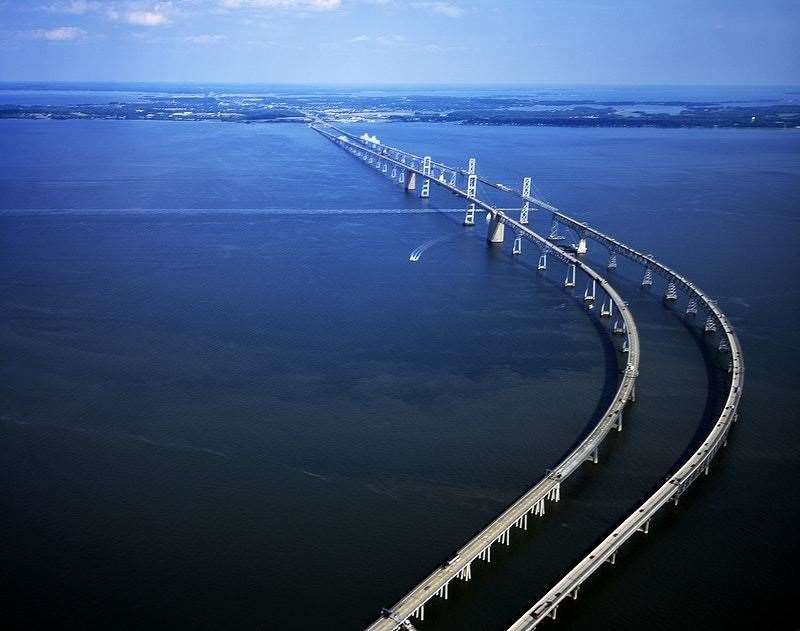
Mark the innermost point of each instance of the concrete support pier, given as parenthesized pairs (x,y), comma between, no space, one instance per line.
(497,230)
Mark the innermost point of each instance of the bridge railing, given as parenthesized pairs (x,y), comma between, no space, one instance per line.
(639,520)
(680,481)
(533,501)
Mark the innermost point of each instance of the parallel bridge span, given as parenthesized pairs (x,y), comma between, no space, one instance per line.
(697,463)
(548,488)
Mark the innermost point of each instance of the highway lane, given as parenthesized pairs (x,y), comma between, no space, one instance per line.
(533,502)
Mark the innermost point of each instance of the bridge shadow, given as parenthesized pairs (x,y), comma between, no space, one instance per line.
(438,612)
(638,551)
(718,384)
(613,361)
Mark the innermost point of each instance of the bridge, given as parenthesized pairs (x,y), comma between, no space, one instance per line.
(407,168)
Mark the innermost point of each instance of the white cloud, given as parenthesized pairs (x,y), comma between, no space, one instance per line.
(75,7)
(60,34)
(318,5)
(133,12)
(146,18)
(442,8)
(377,38)
(205,39)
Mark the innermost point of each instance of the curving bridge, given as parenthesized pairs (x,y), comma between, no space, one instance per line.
(697,464)
(407,168)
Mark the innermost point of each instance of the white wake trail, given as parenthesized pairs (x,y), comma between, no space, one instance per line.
(416,253)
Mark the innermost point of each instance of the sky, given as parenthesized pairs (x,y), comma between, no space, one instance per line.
(712,42)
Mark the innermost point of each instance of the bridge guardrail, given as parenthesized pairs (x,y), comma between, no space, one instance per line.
(533,501)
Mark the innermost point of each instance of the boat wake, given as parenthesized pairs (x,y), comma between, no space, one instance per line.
(417,253)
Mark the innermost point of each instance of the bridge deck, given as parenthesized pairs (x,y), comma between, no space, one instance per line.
(547,486)
(697,463)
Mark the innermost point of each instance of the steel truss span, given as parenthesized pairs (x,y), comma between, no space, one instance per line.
(407,168)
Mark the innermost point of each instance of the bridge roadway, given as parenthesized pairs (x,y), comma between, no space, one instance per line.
(679,482)
(533,501)
(697,463)
(639,520)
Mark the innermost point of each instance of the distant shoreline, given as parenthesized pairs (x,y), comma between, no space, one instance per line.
(667,108)
(634,123)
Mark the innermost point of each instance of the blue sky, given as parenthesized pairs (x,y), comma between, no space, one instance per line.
(403,41)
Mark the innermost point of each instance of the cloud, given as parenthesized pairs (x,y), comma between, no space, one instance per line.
(317,5)
(442,8)
(60,34)
(75,7)
(377,38)
(133,12)
(205,39)
(146,18)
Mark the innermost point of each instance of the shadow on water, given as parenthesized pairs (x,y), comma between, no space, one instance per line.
(717,385)
(611,360)
(666,519)
(438,611)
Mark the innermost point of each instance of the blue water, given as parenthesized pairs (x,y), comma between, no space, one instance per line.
(230,401)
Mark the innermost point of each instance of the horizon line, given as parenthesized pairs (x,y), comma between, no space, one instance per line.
(397,84)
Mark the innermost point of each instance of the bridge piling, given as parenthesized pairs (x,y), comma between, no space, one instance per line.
(554,236)
(426,183)
(570,280)
(589,296)
(497,230)
(526,205)
(542,265)
(472,192)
